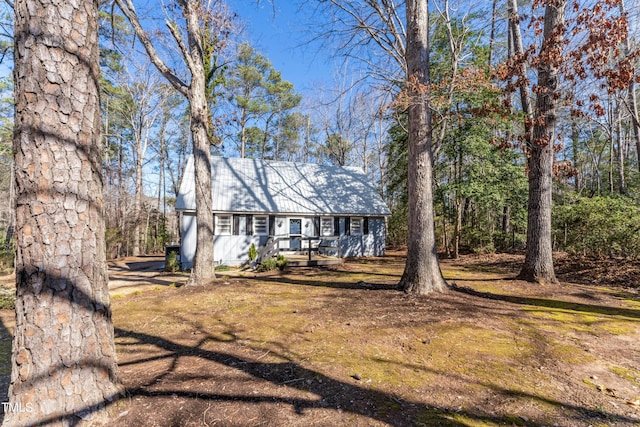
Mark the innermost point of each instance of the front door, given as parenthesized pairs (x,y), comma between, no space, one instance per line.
(295,230)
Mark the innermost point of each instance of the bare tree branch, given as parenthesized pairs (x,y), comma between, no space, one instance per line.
(126,6)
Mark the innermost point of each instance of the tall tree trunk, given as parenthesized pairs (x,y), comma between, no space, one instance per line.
(203,262)
(622,184)
(137,204)
(457,229)
(538,264)
(575,140)
(494,15)
(632,103)
(612,137)
(422,273)
(506,219)
(63,360)
(518,50)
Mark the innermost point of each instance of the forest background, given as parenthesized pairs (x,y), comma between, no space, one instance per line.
(356,118)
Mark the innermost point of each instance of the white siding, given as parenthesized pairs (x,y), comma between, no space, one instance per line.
(233,250)
(188,245)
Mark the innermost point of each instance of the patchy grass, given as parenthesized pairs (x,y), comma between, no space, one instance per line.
(340,346)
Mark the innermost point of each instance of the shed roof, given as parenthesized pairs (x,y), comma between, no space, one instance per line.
(256,186)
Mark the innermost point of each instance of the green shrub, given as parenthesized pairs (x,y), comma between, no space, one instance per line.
(269,264)
(598,226)
(253,252)
(222,267)
(172,264)
(281,262)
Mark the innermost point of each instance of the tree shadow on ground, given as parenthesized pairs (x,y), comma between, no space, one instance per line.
(331,394)
(325,283)
(551,303)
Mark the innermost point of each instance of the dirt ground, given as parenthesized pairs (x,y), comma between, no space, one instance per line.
(339,346)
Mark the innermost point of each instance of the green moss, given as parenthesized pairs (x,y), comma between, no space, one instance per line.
(571,354)
(591,384)
(7,301)
(618,327)
(628,374)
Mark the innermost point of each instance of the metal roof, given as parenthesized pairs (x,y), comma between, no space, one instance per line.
(274,187)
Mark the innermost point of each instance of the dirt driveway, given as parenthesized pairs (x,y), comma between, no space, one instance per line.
(136,274)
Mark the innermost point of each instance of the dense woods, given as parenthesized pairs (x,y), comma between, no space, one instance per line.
(487,81)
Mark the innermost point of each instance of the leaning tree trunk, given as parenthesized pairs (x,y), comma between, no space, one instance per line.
(538,264)
(422,273)
(63,360)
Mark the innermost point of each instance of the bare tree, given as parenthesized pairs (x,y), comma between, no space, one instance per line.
(141,113)
(198,16)
(63,360)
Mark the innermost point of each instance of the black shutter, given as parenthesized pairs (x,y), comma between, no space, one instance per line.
(214,224)
(365,226)
(316,224)
(272,225)
(249,230)
(347,225)
(236,225)
(336,225)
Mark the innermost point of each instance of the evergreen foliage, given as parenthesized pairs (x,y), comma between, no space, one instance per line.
(598,226)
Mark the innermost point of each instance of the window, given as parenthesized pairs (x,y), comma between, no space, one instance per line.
(356,226)
(326,226)
(260,226)
(223,225)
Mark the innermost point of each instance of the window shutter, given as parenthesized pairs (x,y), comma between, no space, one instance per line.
(316,224)
(336,225)
(236,225)
(249,230)
(365,226)
(272,225)
(214,225)
(347,225)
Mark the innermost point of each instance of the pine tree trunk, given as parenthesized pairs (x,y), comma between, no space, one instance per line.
(63,360)
(422,273)
(538,264)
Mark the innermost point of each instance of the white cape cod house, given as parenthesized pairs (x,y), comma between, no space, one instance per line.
(260,202)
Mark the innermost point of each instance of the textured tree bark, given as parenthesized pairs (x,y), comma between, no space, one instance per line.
(203,262)
(63,360)
(422,273)
(538,264)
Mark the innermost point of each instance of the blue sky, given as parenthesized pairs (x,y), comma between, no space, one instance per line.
(281,32)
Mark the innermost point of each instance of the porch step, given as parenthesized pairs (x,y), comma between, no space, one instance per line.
(316,260)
